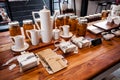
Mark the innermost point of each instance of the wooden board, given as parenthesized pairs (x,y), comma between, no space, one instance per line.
(104,25)
(94,30)
(40,45)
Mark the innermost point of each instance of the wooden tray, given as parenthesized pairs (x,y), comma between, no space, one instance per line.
(104,25)
(94,30)
(40,45)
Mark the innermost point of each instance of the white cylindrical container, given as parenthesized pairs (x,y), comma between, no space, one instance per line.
(46,25)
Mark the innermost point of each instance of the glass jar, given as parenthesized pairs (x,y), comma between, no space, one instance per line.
(73,23)
(59,21)
(104,14)
(14,28)
(91,18)
(87,17)
(27,25)
(81,27)
(98,15)
(66,18)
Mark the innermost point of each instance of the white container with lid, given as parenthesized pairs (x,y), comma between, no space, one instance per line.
(28,21)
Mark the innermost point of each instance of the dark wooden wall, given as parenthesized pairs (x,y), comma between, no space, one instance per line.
(21,10)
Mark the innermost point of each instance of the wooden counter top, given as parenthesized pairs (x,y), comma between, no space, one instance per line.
(85,65)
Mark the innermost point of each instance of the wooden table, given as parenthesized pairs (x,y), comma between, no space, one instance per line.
(88,63)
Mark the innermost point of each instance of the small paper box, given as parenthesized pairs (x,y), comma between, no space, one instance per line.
(117,21)
(27,61)
(85,43)
(67,47)
(81,42)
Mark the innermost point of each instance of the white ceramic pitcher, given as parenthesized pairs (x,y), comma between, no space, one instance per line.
(34,36)
(46,25)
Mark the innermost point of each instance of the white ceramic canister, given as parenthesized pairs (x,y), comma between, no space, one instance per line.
(56,33)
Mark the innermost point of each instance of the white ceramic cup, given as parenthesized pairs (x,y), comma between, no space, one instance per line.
(18,41)
(56,34)
(34,36)
(66,30)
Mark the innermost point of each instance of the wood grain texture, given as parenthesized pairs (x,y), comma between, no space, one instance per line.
(89,62)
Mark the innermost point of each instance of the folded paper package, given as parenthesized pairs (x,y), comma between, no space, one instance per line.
(116,32)
(27,61)
(107,35)
(113,19)
(81,41)
(52,61)
(68,46)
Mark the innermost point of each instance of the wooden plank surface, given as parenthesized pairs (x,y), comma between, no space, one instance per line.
(89,62)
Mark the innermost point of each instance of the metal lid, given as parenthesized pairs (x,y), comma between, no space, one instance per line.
(91,16)
(27,21)
(56,30)
(104,10)
(86,16)
(109,10)
(68,15)
(14,23)
(99,14)
(60,16)
(82,20)
(73,17)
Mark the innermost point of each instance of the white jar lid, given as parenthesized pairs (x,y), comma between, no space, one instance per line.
(104,10)
(86,16)
(69,15)
(60,16)
(73,17)
(98,14)
(27,21)
(14,23)
(83,20)
(80,18)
